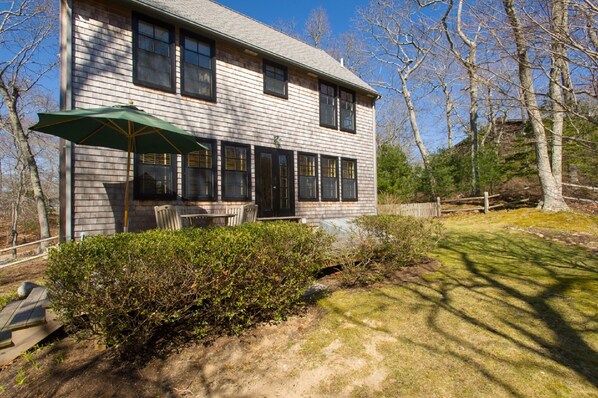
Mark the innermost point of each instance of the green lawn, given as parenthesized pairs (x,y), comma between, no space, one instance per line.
(509,315)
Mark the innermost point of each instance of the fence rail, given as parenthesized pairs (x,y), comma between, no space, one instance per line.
(10,255)
(478,203)
(436,209)
(593,189)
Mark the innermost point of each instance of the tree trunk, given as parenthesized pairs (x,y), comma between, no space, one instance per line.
(448,109)
(16,211)
(416,133)
(473,122)
(29,160)
(552,198)
(557,79)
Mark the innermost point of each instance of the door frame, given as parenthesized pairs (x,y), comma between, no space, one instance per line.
(275,152)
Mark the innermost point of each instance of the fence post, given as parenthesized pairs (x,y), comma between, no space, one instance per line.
(486,203)
(438,208)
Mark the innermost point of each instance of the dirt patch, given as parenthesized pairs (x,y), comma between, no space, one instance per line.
(12,277)
(408,274)
(266,362)
(586,240)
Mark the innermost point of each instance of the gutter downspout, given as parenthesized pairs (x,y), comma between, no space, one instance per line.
(66,103)
(375,160)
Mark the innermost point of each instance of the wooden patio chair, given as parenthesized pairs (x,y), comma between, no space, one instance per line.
(238,212)
(250,213)
(168,217)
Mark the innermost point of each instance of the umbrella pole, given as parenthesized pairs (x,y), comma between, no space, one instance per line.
(129,148)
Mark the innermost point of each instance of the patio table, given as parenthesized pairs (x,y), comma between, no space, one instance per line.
(208,217)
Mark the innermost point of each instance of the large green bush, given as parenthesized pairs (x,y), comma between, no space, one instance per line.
(383,244)
(129,288)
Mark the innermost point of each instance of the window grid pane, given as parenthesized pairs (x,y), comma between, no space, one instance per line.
(327,105)
(349,177)
(200,173)
(329,178)
(235,174)
(197,67)
(347,105)
(275,79)
(307,177)
(153,58)
(155,175)
(163,159)
(329,167)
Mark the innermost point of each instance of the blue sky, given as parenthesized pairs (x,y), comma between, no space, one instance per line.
(340,12)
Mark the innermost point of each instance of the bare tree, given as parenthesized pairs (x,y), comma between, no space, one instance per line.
(442,76)
(400,41)
(287,26)
(552,196)
(317,27)
(26,29)
(470,62)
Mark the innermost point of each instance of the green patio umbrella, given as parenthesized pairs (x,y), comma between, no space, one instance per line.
(123,127)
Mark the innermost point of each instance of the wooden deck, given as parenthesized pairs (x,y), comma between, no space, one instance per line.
(24,323)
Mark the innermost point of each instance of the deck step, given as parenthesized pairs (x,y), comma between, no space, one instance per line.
(7,313)
(24,339)
(30,311)
(5,339)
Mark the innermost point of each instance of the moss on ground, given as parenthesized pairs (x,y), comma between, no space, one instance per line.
(509,315)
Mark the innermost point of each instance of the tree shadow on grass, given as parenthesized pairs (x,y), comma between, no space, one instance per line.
(527,276)
(563,268)
(535,296)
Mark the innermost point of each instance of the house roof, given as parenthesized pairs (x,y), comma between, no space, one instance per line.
(222,22)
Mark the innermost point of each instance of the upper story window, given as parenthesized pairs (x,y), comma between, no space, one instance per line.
(153,54)
(329,178)
(155,176)
(327,105)
(308,177)
(349,177)
(198,67)
(199,171)
(347,106)
(275,79)
(235,171)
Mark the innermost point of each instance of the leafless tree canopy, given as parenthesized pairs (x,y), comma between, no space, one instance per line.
(28,36)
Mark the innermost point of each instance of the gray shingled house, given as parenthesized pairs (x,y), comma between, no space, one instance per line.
(286,125)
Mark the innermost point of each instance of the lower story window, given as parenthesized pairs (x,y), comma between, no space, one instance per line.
(155,176)
(235,172)
(308,178)
(349,176)
(329,178)
(199,169)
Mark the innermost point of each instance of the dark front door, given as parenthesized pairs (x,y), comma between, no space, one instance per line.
(274,182)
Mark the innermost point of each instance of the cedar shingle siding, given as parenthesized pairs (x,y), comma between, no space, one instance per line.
(102,75)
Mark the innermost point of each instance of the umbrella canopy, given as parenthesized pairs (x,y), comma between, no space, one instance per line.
(123,127)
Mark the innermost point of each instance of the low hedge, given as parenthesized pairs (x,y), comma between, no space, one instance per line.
(383,244)
(128,288)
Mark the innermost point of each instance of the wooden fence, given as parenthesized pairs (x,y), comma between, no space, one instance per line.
(430,209)
(484,203)
(585,187)
(19,254)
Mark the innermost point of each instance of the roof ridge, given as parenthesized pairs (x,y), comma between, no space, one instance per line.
(266,25)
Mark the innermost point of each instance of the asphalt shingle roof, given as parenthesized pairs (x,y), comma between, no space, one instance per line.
(235,27)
